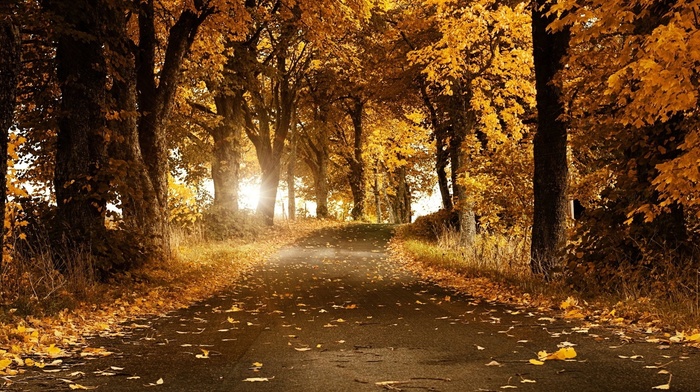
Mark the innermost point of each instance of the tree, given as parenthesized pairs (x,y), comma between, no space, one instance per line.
(80,182)
(478,70)
(156,85)
(10,47)
(632,105)
(550,145)
(314,136)
(355,160)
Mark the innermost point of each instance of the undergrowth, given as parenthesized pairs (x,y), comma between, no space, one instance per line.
(31,286)
(498,266)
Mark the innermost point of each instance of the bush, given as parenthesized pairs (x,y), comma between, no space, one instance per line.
(220,224)
(433,226)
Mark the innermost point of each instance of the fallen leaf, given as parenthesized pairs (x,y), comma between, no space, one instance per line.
(302,348)
(5,363)
(53,351)
(536,362)
(257,379)
(665,386)
(493,363)
(78,386)
(203,355)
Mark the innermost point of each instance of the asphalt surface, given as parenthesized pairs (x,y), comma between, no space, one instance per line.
(332,313)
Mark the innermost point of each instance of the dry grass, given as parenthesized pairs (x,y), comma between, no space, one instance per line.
(33,288)
(497,268)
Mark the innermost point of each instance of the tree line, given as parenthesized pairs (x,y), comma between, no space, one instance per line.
(513,108)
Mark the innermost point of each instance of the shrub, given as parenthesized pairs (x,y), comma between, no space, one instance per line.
(433,226)
(220,224)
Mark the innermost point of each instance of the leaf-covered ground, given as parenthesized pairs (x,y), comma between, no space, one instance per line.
(198,271)
(334,313)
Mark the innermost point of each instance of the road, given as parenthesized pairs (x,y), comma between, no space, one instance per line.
(332,313)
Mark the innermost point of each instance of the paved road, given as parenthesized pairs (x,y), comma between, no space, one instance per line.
(333,314)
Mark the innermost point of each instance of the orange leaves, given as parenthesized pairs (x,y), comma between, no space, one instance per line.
(562,354)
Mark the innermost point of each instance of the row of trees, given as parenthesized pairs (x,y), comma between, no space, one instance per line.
(512,107)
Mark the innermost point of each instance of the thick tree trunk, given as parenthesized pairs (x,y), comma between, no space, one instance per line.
(129,173)
(10,47)
(357,164)
(551,168)
(270,152)
(269,182)
(458,158)
(401,202)
(80,180)
(155,97)
(467,218)
(225,166)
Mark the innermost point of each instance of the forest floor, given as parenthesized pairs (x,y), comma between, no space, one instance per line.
(334,312)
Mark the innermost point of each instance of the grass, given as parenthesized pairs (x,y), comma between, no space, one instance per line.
(60,307)
(496,267)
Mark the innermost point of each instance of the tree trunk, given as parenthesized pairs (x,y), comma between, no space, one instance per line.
(80,180)
(225,166)
(550,141)
(442,153)
(10,47)
(441,161)
(316,156)
(403,197)
(357,163)
(458,157)
(269,182)
(377,199)
(291,168)
(401,201)
(127,168)
(155,96)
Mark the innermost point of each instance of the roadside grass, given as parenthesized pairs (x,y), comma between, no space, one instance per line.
(65,311)
(497,268)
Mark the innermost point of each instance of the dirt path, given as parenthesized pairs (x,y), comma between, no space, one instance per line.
(332,314)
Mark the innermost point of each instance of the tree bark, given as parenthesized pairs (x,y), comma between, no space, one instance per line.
(550,142)
(80,180)
(463,121)
(226,162)
(377,198)
(401,202)
(315,153)
(357,163)
(10,47)
(442,153)
(156,92)
(467,217)
(291,170)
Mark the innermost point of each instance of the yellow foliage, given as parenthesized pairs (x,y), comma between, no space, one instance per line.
(183,205)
